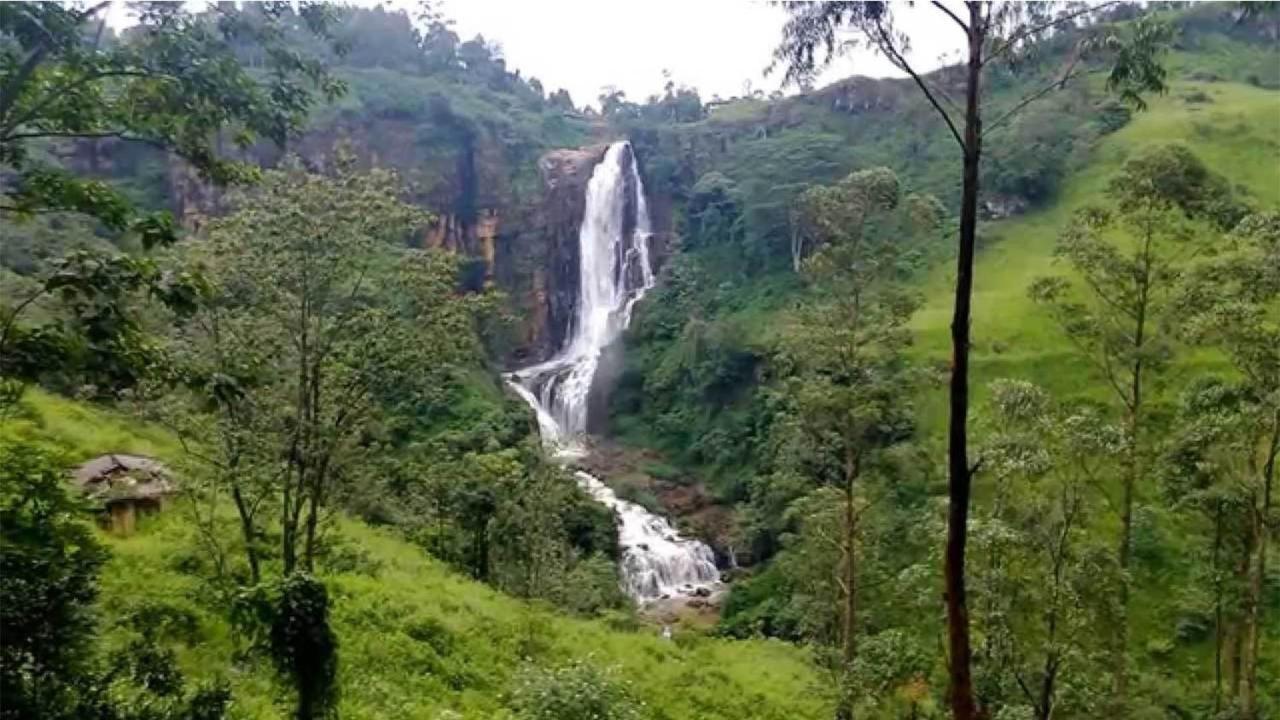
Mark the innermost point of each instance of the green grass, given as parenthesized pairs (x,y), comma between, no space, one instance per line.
(78,431)
(417,640)
(1237,135)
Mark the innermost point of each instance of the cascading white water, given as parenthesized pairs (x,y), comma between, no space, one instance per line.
(614,273)
(656,561)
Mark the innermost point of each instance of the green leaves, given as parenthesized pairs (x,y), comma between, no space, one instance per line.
(99,339)
(1131,257)
(49,559)
(577,691)
(1136,68)
(835,216)
(1172,177)
(1231,302)
(174,80)
(812,37)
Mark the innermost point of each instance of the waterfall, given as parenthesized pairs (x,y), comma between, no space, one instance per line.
(614,273)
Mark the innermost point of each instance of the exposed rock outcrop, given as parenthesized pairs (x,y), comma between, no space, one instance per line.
(536,258)
(513,213)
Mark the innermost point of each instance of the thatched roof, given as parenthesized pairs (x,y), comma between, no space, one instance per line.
(113,478)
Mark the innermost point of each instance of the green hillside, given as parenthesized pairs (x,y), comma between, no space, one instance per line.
(1236,132)
(417,640)
(702,382)
(321,360)
(739,171)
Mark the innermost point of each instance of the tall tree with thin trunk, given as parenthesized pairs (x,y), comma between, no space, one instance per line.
(992,32)
(1206,468)
(1232,303)
(1131,257)
(1045,581)
(848,379)
(297,344)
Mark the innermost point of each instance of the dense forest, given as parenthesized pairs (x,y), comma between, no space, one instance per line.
(346,371)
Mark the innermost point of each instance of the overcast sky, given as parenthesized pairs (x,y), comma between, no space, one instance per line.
(716,46)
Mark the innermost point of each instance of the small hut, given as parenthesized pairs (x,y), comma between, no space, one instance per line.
(124,487)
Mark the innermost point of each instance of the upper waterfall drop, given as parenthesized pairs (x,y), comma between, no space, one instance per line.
(614,274)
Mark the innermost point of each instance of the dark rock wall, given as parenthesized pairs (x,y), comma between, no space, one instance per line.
(514,213)
(537,254)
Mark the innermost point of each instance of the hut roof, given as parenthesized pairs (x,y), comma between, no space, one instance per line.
(116,477)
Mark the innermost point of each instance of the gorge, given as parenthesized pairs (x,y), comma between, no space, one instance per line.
(613,275)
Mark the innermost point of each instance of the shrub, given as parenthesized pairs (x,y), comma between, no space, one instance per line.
(664,471)
(49,560)
(592,586)
(1111,115)
(432,632)
(304,646)
(577,691)
(641,496)
(289,619)
(339,555)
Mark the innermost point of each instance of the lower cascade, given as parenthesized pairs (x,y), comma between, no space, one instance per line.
(614,274)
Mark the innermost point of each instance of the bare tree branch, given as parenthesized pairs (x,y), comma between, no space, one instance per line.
(886,43)
(951,15)
(1013,40)
(1008,115)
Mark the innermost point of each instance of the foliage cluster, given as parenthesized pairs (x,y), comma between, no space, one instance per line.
(1061,478)
(51,665)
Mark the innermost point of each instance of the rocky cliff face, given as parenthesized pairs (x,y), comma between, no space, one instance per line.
(514,215)
(537,257)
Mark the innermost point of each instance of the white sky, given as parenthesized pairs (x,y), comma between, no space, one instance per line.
(714,45)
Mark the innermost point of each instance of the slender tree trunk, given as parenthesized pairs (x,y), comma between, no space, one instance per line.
(849,624)
(849,575)
(963,704)
(309,536)
(1260,529)
(480,551)
(1217,607)
(317,466)
(288,540)
(1048,686)
(247,531)
(300,444)
(1237,640)
(1121,657)
(1132,470)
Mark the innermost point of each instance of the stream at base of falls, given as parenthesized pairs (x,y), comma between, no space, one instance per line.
(614,274)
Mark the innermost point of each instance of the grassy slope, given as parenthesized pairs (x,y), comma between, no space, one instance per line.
(79,431)
(417,640)
(1237,135)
